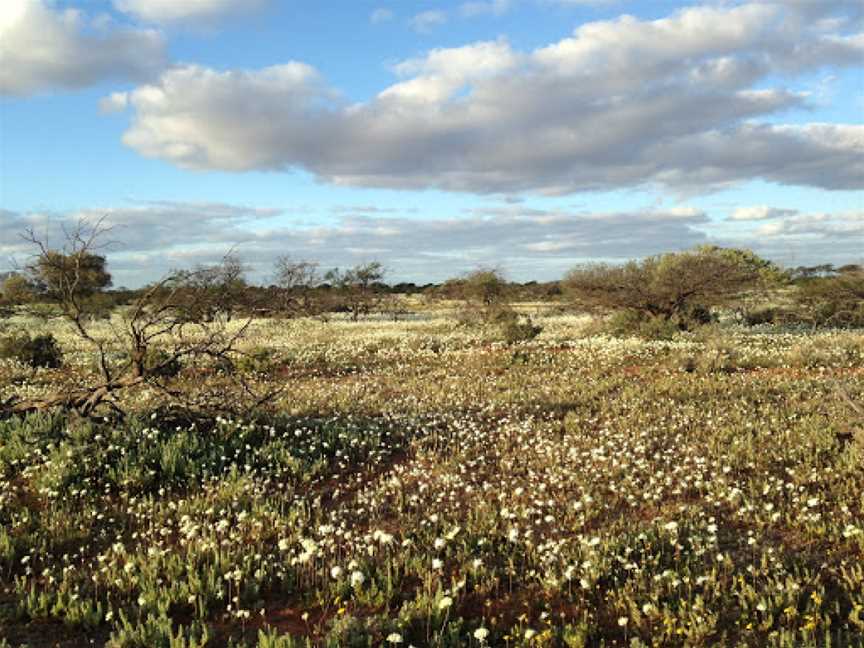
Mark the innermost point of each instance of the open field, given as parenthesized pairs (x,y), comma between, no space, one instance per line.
(420,483)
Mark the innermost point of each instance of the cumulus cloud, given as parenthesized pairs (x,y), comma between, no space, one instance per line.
(689,102)
(760,212)
(174,11)
(43,48)
(811,238)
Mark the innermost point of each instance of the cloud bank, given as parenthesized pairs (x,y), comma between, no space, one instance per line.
(43,48)
(689,103)
(152,238)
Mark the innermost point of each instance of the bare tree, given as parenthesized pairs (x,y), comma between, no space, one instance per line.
(161,329)
(298,283)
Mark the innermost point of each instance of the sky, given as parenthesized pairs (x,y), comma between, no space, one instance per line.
(435,137)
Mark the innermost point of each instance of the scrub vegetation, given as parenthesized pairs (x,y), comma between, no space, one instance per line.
(610,463)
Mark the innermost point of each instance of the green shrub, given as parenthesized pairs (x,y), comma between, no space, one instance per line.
(630,323)
(515,331)
(38,351)
(259,359)
(769,315)
(492,314)
(832,301)
(160,363)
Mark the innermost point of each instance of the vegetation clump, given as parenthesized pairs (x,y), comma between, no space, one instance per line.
(670,292)
(34,351)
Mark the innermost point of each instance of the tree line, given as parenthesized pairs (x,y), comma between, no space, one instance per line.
(203,313)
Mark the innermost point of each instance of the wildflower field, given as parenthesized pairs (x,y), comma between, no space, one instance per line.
(421,483)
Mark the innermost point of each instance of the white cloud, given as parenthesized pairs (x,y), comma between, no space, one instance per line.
(426,21)
(485,7)
(153,237)
(173,11)
(819,226)
(381,15)
(760,212)
(682,102)
(43,49)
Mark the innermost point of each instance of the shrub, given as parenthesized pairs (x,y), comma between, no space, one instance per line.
(39,351)
(833,301)
(761,316)
(493,314)
(630,323)
(678,287)
(517,330)
(259,359)
(160,363)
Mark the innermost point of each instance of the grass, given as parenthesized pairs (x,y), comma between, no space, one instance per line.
(426,484)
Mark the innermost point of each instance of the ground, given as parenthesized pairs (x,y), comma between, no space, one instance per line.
(420,483)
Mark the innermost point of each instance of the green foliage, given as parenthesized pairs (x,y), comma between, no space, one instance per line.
(630,323)
(520,330)
(160,363)
(484,286)
(157,632)
(678,287)
(36,351)
(80,273)
(16,289)
(836,301)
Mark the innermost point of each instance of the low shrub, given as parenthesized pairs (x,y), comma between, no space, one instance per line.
(633,324)
(160,363)
(38,351)
(517,330)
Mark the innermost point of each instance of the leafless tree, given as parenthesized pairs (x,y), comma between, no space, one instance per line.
(297,283)
(162,329)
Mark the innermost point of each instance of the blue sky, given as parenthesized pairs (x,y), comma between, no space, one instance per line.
(433,136)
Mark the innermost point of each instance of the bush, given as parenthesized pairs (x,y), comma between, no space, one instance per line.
(761,316)
(259,359)
(630,323)
(833,301)
(680,287)
(39,351)
(493,314)
(517,330)
(167,367)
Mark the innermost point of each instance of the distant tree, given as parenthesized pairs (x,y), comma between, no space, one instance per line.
(79,272)
(297,282)
(16,289)
(217,290)
(484,286)
(676,287)
(158,332)
(360,289)
(836,301)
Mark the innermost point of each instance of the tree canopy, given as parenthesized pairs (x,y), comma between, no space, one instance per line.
(670,286)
